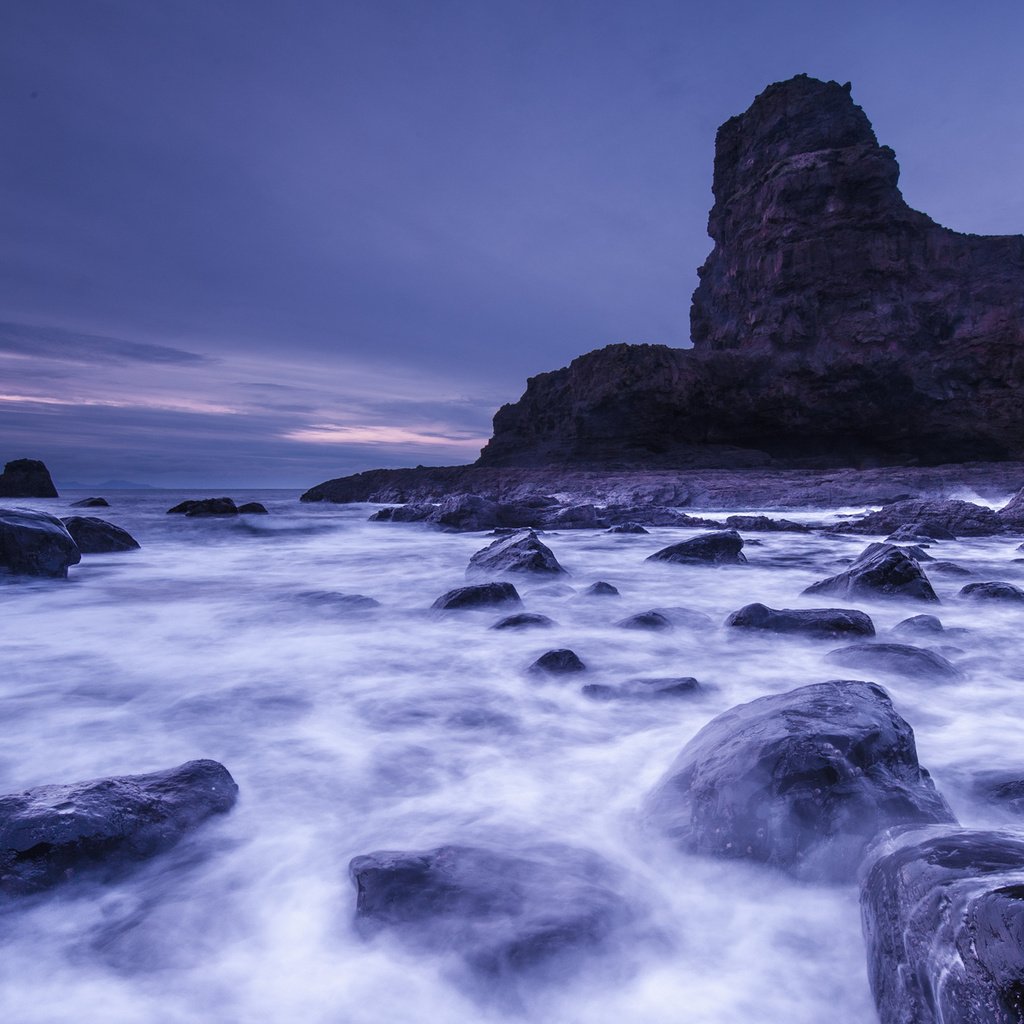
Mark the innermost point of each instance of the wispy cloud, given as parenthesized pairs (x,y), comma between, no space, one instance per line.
(29,341)
(332,433)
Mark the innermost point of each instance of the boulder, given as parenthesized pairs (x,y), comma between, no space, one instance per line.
(645,620)
(656,688)
(466,512)
(200,507)
(800,780)
(97,536)
(920,625)
(401,514)
(601,589)
(825,623)
(35,544)
(943,917)
(524,620)
(940,520)
(26,478)
(903,659)
(1012,513)
(521,552)
(762,524)
(722,548)
(576,517)
(943,568)
(558,662)
(252,508)
(480,595)
(91,503)
(503,915)
(54,833)
(628,528)
(923,533)
(1005,788)
(687,618)
(881,570)
(993,590)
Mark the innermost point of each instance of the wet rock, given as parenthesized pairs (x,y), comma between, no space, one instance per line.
(943,917)
(330,600)
(628,528)
(252,508)
(814,622)
(576,517)
(992,591)
(97,536)
(524,620)
(940,520)
(601,589)
(942,568)
(481,595)
(401,514)
(656,688)
(800,780)
(881,570)
(200,507)
(918,553)
(35,544)
(1001,787)
(924,533)
(919,625)
(91,503)
(1012,513)
(53,833)
(553,590)
(687,618)
(559,662)
(721,548)
(522,552)
(503,915)
(762,524)
(466,512)
(26,478)
(656,515)
(651,620)
(903,659)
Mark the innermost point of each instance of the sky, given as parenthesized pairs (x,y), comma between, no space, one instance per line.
(271,242)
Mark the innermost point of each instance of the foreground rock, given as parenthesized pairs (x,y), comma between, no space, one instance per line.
(26,478)
(504,915)
(824,623)
(722,548)
(993,590)
(481,595)
(97,536)
(903,659)
(800,780)
(880,570)
(943,917)
(35,544)
(558,663)
(54,833)
(520,552)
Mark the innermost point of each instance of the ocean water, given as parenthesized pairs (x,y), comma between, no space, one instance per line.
(400,728)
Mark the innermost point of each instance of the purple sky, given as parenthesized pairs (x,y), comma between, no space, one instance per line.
(248,242)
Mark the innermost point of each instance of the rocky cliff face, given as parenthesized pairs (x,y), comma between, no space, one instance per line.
(832,323)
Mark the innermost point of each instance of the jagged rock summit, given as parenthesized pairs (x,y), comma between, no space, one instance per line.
(833,324)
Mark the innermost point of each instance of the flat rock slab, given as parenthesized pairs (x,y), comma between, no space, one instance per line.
(503,915)
(800,780)
(521,552)
(824,623)
(881,570)
(725,547)
(902,659)
(480,595)
(96,536)
(35,544)
(943,917)
(52,833)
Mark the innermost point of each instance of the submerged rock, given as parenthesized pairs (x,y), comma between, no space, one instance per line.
(91,503)
(655,688)
(197,508)
(992,591)
(814,622)
(35,544)
(646,620)
(503,915)
(480,595)
(524,620)
(880,570)
(252,508)
(559,662)
(800,780)
(628,528)
(97,536)
(943,568)
(52,833)
(722,548)
(1001,787)
(26,478)
(903,659)
(601,589)
(522,552)
(920,625)
(943,917)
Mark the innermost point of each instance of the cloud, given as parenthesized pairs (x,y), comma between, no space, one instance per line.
(332,433)
(32,342)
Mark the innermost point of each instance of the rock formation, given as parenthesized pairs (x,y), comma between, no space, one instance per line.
(26,478)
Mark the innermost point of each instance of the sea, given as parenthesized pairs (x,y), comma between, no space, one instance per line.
(396,727)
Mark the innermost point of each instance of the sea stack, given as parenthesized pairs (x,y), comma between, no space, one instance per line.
(26,478)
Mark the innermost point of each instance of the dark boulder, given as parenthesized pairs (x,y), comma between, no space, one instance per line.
(762,524)
(558,663)
(881,570)
(628,528)
(26,478)
(814,622)
(91,503)
(601,589)
(401,514)
(942,568)
(466,512)
(903,659)
(651,620)
(941,520)
(722,548)
(801,780)
(481,595)
(523,620)
(97,536)
(51,833)
(576,517)
(521,552)
(503,915)
(917,552)
(200,507)
(920,533)
(943,917)
(1012,513)
(252,508)
(35,544)
(656,688)
(993,590)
